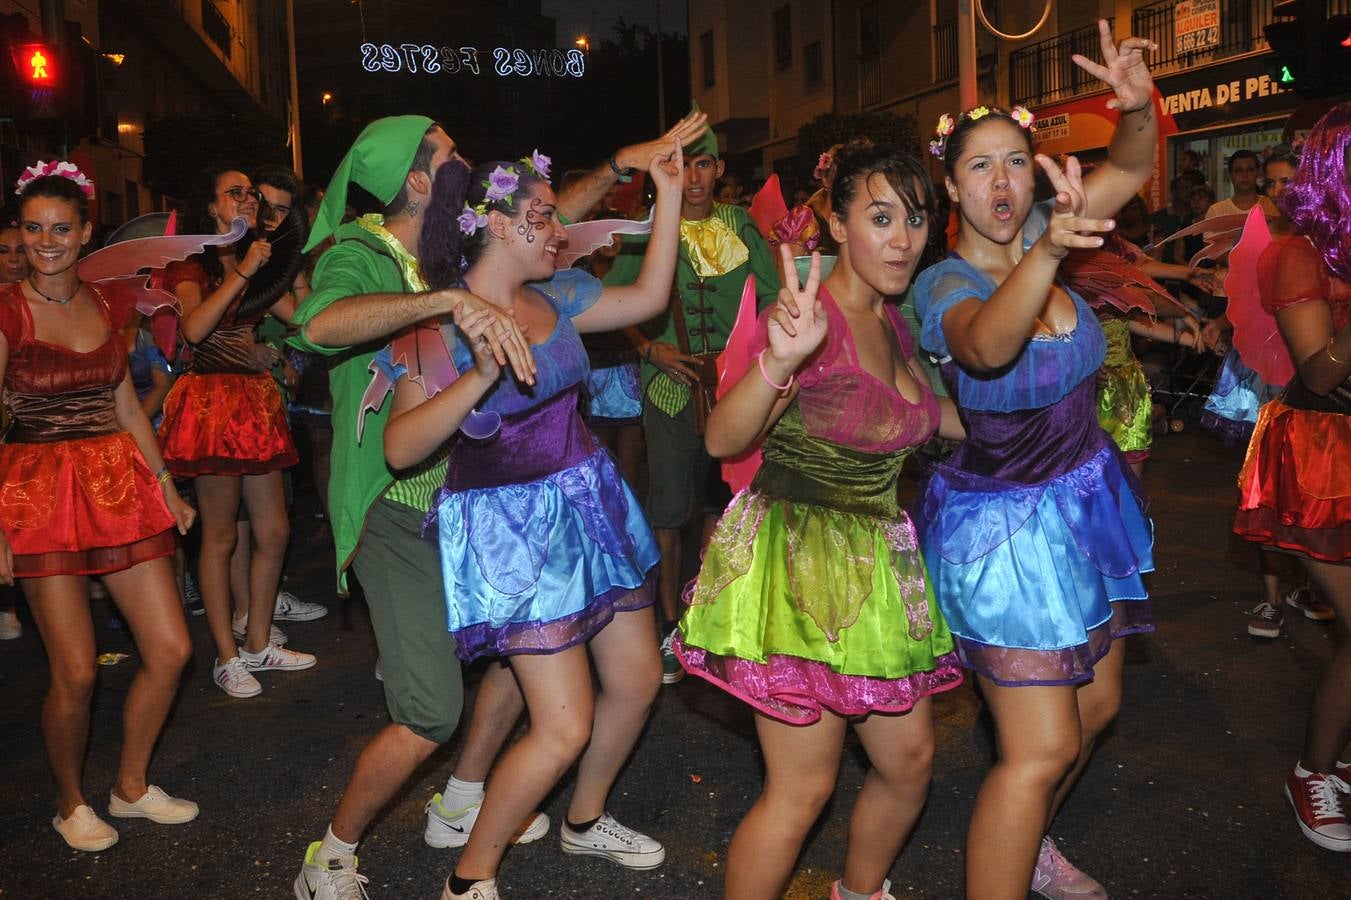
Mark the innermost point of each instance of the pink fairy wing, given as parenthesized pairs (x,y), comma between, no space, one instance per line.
(373,398)
(129,257)
(584,238)
(733,363)
(1256,337)
(1227,223)
(767,206)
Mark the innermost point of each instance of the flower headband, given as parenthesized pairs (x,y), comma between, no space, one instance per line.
(947,124)
(501,184)
(823,164)
(55,167)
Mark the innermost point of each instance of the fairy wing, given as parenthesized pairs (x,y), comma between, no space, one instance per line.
(733,363)
(1256,337)
(584,238)
(767,206)
(1223,230)
(1105,280)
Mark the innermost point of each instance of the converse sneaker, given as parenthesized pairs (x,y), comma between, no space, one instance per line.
(291,608)
(84,830)
(1266,621)
(671,670)
(1318,809)
(451,827)
(234,678)
(192,597)
(154,805)
(241,625)
(277,659)
(1304,600)
(479,890)
(10,626)
(615,842)
(1056,878)
(333,879)
(884,894)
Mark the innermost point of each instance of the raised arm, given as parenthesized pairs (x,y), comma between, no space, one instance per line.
(200,314)
(1130,155)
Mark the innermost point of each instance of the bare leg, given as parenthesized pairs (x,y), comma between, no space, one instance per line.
(901,750)
(146,597)
(668,576)
(382,769)
(217,507)
(629,666)
(240,562)
(497,706)
(802,763)
(60,606)
(271,533)
(1270,563)
(1099,701)
(557,689)
(1329,727)
(1039,744)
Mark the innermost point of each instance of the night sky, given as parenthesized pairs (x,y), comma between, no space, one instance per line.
(593,18)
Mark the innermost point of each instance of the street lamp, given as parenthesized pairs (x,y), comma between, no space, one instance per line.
(326,98)
(583,43)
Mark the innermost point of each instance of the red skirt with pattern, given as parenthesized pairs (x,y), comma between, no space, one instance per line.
(1295,486)
(81,507)
(225,424)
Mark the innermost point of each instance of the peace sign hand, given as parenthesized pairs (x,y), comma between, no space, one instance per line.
(1125,70)
(1068,228)
(798,324)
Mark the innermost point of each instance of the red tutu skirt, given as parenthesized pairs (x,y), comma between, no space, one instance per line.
(81,507)
(1295,486)
(225,425)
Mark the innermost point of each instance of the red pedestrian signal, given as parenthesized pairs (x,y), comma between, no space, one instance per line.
(36,64)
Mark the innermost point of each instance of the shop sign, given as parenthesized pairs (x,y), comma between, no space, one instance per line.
(1196,26)
(1214,95)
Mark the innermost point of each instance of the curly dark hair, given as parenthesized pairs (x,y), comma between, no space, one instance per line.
(444,251)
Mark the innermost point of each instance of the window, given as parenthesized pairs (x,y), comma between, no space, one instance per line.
(811,65)
(706,52)
(869,54)
(783,38)
(133,199)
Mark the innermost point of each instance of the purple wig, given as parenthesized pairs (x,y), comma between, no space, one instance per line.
(444,251)
(1318,200)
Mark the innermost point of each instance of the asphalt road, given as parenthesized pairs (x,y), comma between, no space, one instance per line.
(1183,798)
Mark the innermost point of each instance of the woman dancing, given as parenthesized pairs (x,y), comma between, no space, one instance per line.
(1033,532)
(1295,490)
(812,604)
(544,549)
(224,427)
(81,498)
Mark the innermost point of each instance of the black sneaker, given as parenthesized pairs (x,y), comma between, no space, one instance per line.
(192,597)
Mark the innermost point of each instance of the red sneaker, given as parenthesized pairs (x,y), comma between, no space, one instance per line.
(1318,809)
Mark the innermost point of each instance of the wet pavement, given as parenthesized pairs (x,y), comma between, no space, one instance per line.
(1183,799)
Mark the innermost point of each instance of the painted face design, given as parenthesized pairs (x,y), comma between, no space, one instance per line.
(533,221)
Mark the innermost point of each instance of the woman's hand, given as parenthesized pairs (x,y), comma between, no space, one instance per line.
(686,131)
(1187,333)
(1125,70)
(260,251)
(6,561)
(797,324)
(475,325)
(508,340)
(183,514)
(1068,227)
(667,169)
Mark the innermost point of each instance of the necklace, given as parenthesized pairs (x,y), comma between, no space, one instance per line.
(49,298)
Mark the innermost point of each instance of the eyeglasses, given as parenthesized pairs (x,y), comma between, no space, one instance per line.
(240,194)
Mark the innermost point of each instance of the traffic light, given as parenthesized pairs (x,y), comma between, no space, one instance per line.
(1311,51)
(36,64)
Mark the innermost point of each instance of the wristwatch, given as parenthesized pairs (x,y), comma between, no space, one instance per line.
(623,175)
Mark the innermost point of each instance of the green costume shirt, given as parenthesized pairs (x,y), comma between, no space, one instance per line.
(710,304)
(359,263)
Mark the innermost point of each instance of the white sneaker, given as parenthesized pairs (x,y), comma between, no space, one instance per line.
(154,805)
(615,842)
(241,625)
(334,879)
(10,626)
(84,830)
(277,659)
(291,608)
(234,678)
(479,890)
(451,827)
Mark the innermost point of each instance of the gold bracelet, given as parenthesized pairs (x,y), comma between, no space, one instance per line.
(164,477)
(1328,351)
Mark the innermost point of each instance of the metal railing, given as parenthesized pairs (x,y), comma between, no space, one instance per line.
(1240,31)
(945,51)
(1044,72)
(216,26)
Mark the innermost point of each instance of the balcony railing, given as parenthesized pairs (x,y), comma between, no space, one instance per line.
(1044,72)
(945,51)
(216,26)
(1240,32)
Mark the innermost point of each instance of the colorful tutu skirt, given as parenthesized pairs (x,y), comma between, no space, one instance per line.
(1125,408)
(612,392)
(1295,485)
(1037,580)
(540,566)
(85,506)
(225,424)
(1231,409)
(800,608)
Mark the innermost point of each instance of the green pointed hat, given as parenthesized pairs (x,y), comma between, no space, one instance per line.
(706,144)
(378,161)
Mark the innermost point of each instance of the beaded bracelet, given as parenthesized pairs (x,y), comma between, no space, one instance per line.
(770,381)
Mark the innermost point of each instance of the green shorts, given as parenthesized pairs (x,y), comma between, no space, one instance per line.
(682,477)
(400,574)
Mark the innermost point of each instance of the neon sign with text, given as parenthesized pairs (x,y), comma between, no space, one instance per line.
(427,59)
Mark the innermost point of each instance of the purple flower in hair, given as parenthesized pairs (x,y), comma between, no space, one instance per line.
(540,163)
(471,220)
(502,183)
